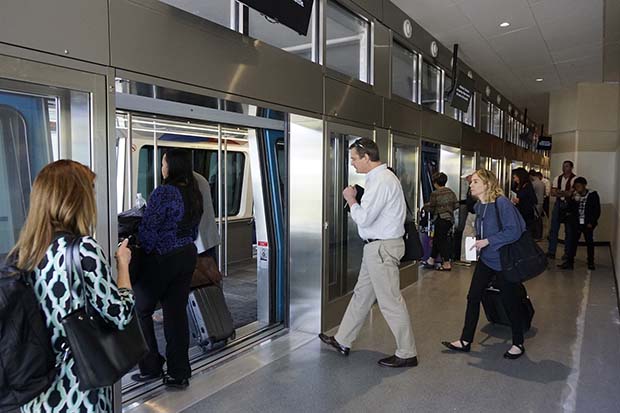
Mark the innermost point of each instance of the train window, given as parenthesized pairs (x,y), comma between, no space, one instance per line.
(278,35)
(469,117)
(431,79)
(205,163)
(496,121)
(217,11)
(348,42)
(404,72)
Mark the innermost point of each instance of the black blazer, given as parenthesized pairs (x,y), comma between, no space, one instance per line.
(592,211)
(527,202)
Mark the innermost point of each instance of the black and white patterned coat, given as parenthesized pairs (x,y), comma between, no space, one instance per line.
(51,289)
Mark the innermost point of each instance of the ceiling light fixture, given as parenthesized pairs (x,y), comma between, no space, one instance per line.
(539,79)
(504,24)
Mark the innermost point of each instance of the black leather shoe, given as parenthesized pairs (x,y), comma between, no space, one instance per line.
(176,383)
(511,356)
(464,348)
(145,378)
(330,340)
(566,265)
(395,361)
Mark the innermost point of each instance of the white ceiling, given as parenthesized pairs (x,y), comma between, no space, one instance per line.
(560,41)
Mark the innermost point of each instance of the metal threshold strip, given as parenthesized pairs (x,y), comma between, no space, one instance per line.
(138,393)
(216,376)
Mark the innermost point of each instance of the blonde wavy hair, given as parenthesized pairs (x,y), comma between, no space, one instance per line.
(62,200)
(489,179)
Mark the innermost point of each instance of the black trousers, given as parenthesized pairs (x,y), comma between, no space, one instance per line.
(441,243)
(510,294)
(166,279)
(573,235)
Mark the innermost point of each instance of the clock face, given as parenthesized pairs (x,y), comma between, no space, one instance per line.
(487,90)
(407,28)
(434,49)
(499,99)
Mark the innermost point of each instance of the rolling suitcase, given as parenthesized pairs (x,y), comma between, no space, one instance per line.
(496,312)
(209,319)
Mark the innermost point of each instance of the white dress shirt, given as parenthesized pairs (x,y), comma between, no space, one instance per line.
(382,212)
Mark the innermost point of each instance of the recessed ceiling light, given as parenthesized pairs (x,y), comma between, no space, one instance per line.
(504,24)
(539,79)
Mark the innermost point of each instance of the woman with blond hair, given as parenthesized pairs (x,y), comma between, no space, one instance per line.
(492,204)
(62,208)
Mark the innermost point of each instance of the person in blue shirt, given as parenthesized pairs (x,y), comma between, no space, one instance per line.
(167,233)
(490,239)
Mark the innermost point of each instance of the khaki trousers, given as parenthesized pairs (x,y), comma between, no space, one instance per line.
(379,278)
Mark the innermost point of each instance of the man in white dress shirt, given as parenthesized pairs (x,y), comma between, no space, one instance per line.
(380,222)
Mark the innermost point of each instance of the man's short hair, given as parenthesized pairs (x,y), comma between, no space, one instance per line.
(533,172)
(440,178)
(572,165)
(365,146)
(580,180)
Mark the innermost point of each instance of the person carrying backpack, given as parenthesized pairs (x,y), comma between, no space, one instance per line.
(62,208)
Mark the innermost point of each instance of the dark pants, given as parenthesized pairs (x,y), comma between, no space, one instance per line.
(166,279)
(573,234)
(510,294)
(441,243)
(554,229)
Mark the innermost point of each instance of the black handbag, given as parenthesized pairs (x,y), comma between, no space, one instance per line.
(522,259)
(413,245)
(103,354)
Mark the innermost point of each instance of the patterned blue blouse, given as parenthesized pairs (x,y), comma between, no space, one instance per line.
(158,231)
(51,287)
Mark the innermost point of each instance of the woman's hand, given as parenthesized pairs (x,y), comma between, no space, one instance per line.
(123,254)
(480,244)
(515,200)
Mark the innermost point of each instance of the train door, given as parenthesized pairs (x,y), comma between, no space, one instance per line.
(48,113)
(405,161)
(450,164)
(343,245)
(246,168)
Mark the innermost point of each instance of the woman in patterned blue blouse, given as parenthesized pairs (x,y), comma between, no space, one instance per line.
(62,206)
(167,233)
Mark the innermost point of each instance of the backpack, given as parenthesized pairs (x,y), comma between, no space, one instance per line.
(27,360)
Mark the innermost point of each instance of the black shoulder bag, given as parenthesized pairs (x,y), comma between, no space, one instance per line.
(413,245)
(103,354)
(522,259)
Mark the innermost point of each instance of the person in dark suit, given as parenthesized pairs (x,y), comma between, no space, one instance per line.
(525,200)
(584,212)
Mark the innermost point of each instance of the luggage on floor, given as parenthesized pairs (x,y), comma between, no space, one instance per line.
(210,321)
(496,312)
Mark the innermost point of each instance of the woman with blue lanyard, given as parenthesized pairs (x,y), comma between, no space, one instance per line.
(492,204)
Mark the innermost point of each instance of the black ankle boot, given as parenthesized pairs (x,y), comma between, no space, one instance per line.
(176,383)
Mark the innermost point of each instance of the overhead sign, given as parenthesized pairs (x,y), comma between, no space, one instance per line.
(291,13)
(544,143)
(462,92)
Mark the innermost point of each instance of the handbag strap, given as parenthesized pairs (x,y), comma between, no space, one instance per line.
(499,219)
(73,262)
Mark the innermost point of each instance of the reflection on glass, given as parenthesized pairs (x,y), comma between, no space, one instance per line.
(485,116)
(454,113)
(468,163)
(404,73)
(450,164)
(497,117)
(278,35)
(470,116)
(430,164)
(406,167)
(348,42)
(484,163)
(31,137)
(217,11)
(431,77)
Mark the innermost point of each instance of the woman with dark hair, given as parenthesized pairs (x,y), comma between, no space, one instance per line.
(525,201)
(442,204)
(167,233)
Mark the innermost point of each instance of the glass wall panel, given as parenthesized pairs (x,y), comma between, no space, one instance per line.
(450,164)
(348,42)
(485,116)
(447,109)
(468,163)
(218,11)
(470,116)
(431,86)
(496,121)
(278,35)
(404,73)
(406,167)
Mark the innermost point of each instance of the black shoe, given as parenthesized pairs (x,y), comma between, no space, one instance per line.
(510,356)
(176,383)
(591,266)
(566,265)
(145,378)
(395,361)
(330,340)
(464,348)
(551,256)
